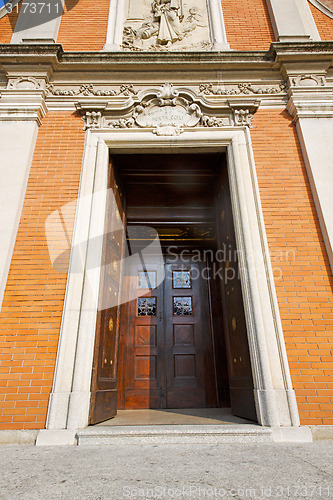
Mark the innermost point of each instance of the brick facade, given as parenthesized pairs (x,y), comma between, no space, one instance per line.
(31,313)
(34,297)
(303,276)
(83,27)
(7,25)
(324,23)
(247,24)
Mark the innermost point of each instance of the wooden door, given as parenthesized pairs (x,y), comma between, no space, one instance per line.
(142,338)
(167,341)
(104,377)
(239,364)
(190,375)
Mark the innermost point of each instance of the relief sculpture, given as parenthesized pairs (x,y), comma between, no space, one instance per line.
(170,13)
(168,25)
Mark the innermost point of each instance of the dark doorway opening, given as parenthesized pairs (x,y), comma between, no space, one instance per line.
(183,343)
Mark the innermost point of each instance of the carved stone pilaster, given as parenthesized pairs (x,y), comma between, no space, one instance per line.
(310,96)
(92,114)
(28,106)
(243,111)
(311,106)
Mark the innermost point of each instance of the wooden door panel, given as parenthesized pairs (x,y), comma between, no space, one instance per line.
(239,364)
(168,355)
(189,378)
(142,356)
(105,366)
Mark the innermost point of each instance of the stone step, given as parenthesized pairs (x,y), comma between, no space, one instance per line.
(173,434)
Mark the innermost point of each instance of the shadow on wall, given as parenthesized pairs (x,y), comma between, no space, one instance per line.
(35,13)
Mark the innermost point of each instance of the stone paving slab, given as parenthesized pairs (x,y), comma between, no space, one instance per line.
(173,434)
(229,471)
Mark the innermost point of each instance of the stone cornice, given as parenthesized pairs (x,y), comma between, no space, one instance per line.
(300,51)
(54,54)
(125,61)
(50,63)
(167,110)
(30,53)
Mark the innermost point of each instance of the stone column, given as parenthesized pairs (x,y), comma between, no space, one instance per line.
(114,35)
(217,26)
(292,20)
(22,107)
(311,105)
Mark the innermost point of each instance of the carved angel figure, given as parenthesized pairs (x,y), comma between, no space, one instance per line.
(171,15)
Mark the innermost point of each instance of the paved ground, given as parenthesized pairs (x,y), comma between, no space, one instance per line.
(266,471)
(202,416)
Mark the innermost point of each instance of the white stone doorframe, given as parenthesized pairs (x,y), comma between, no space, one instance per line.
(274,397)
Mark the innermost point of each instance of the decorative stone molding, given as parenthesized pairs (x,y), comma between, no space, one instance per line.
(12,108)
(308,81)
(243,117)
(92,119)
(24,83)
(167,111)
(87,90)
(91,114)
(242,89)
(307,108)
(243,111)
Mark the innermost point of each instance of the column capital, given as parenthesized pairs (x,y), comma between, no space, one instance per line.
(23,105)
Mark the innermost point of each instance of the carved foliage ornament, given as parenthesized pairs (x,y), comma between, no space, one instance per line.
(242,89)
(243,117)
(167,113)
(86,90)
(92,120)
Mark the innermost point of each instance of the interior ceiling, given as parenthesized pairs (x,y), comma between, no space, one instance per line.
(169,188)
(171,193)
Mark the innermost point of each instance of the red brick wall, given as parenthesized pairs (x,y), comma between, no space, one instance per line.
(324,23)
(7,25)
(247,24)
(83,28)
(305,289)
(34,296)
(33,302)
